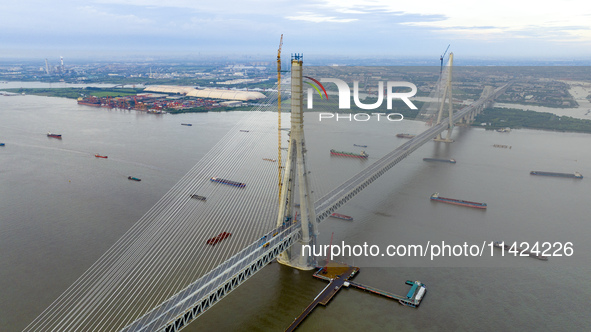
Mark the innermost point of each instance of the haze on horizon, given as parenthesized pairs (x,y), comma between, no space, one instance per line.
(340,28)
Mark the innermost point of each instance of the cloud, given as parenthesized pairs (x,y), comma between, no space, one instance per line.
(376,26)
(317,18)
(478,19)
(106,16)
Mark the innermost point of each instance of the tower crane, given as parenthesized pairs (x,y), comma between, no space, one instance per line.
(441,58)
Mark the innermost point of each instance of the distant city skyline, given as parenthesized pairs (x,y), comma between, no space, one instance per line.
(333,28)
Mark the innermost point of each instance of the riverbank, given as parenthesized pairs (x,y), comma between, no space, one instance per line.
(75,93)
(497,118)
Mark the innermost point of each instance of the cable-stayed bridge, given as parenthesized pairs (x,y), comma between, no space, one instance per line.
(140,284)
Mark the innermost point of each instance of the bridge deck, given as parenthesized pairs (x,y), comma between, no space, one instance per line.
(173,313)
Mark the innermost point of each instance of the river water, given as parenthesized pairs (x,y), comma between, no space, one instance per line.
(61,209)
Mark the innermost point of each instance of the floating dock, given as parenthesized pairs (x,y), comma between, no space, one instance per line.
(326,294)
(412,299)
(340,275)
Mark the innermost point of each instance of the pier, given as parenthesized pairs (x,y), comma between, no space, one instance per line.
(339,275)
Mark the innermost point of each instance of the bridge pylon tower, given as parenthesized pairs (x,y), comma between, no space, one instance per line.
(295,180)
(447,95)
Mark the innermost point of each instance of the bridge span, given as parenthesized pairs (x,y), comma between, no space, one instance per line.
(188,304)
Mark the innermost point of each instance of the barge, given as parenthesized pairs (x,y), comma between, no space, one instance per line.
(341,216)
(575,175)
(405,135)
(451,161)
(228,182)
(222,236)
(476,205)
(349,154)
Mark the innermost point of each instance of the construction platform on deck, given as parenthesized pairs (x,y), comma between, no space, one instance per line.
(339,275)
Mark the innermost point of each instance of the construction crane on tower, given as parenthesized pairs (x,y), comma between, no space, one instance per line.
(441,58)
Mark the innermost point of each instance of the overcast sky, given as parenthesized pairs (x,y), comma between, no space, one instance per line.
(500,28)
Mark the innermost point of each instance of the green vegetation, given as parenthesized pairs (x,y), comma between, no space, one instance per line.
(111,92)
(503,117)
(75,93)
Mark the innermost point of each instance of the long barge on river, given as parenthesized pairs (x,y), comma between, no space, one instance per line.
(349,154)
(476,205)
(228,182)
(341,216)
(575,175)
(451,161)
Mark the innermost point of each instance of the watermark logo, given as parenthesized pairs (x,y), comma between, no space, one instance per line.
(360,117)
(345,93)
(316,88)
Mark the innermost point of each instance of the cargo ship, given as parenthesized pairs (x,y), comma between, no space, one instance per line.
(507,247)
(341,216)
(451,161)
(359,145)
(502,146)
(186,124)
(91,101)
(436,197)
(244,131)
(133,178)
(349,154)
(575,175)
(201,198)
(228,182)
(269,159)
(405,136)
(54,135)
(99,156)
(222,236)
